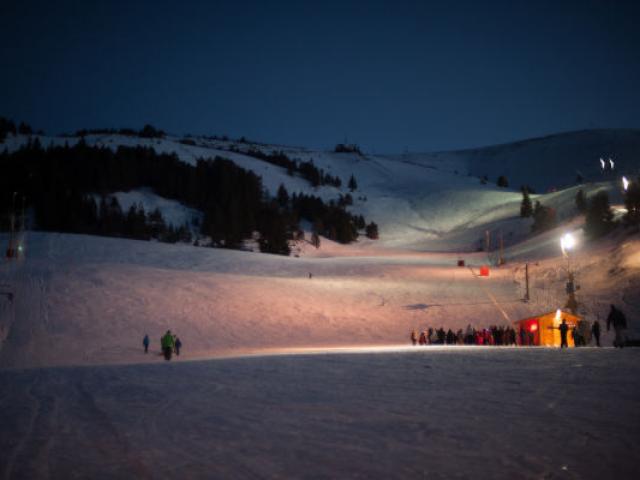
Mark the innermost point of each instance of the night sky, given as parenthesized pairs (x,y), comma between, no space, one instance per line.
(388,75)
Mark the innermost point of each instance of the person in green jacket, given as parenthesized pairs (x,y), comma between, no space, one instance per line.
(167,345)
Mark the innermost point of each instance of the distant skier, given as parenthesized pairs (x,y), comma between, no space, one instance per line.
(178,344)
(564,329)
(414,337)
(595,330)
(167,345)
(145,342)
(577,340)
(423,338)
(619,322)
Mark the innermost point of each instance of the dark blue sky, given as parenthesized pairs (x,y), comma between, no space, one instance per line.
(387,75)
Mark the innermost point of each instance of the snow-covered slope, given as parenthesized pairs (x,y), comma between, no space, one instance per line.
(551,162)
(427,201)
(81,299)
(89,300)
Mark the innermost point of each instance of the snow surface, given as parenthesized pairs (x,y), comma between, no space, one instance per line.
(266,386)
(89,300)
(421,412)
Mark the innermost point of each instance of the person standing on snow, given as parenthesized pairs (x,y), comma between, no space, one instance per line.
(619,322)
(178,345)
(414,337)
(167,345)
(564,329)
(595,331)
(145,342)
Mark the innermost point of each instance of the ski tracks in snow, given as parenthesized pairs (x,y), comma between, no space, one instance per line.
(30,456)
(49,412)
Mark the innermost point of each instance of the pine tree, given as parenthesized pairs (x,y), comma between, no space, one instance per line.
(526,209)
(24,129)
(282,196)
(581,201)
(372,231)
(544,218)
(315,239)
(599,217)
(352,185)
(632,204)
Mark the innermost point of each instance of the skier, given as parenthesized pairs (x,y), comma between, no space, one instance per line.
(595,330)
(619,321)
(145,342)
(450,337)
(564,328)
(577,341)
(167,345)
(178,345)
(523,336)
(468,337)
(414,337)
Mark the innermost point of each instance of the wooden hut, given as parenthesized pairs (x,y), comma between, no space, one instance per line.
(543,330)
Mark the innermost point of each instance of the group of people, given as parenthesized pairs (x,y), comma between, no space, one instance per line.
(169,342)
(493,335)
(582,334)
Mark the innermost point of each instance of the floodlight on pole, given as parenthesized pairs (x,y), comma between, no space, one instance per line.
(625,183)
(567,242)
(602,164)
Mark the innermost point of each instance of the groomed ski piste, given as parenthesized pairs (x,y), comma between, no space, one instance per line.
(289,375)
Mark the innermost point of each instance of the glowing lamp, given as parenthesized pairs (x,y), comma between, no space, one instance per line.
(533,327)
(558,314)
(567,242)
(625,183)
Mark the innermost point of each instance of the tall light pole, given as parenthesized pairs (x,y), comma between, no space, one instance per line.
(567,243)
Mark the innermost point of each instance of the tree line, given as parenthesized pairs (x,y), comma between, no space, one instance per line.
(599,217)
(307,170)
(61,184)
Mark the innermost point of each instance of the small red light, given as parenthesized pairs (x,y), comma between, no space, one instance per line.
(533,327)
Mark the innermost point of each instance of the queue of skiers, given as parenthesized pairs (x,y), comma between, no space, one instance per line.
(582,334)
(169,343)
(493,335)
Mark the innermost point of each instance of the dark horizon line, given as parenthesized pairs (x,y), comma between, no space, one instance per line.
(244,139)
